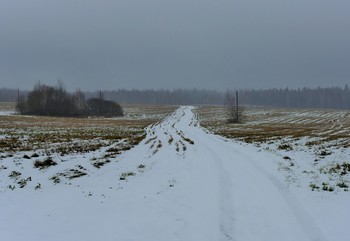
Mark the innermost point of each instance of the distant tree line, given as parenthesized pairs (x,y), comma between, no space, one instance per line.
(329,98)
(56,101)
(165,97)
(324,98)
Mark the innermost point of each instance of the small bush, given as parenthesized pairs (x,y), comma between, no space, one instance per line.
(141,166)
(159,144)
(44,164)
(15,174)
(56,179)
(38,186)
(342,185)
(113,149)
(343,169)
(100,107)
(124,175)
(314,187)
(75,173)
(171,139)
(285,147)
(188,140)
(326,187)
(177,147)
(22,183)
(325,153)
(99,164)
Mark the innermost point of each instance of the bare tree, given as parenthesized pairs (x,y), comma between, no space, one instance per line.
(235,112)
(79,102)
(21,103)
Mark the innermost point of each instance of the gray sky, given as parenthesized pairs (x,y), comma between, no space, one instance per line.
(217,44)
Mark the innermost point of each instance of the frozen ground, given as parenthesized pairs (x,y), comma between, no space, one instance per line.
(6,113)
(179,183)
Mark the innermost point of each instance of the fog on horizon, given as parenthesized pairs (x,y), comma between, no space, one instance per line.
(154,44)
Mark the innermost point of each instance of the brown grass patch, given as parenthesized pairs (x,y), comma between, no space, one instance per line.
(266,124)
(59,134)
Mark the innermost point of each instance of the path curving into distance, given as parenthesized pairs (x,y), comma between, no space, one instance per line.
(218,190)
(180,183)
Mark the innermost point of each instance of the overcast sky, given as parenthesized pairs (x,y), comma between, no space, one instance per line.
(143,44)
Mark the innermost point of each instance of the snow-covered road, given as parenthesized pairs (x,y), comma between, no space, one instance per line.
(181,183)
(225,191)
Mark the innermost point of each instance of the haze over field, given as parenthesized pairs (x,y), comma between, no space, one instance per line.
(175,44)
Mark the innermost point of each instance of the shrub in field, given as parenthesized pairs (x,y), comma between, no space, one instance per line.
(235,112)
(325,153)
(15,174)
(314,187)
(74,173)
(343,168)
(56,179)
(56,101)
(44,164)
(285,147)
(22,183)
(188,140)
(326,187)
(100,107)
(342,185)
(124,175)
(101,163)
(38,186)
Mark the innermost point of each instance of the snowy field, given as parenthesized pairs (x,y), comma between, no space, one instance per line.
(313,145)
(116,179)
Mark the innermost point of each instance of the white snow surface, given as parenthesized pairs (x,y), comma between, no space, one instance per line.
(192,186)
(7,113)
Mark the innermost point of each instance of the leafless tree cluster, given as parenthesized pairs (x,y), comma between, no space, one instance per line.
(329,98)
(235,112)
(56,101)
(100,107)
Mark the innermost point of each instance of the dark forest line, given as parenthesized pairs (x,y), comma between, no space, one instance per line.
(325,98)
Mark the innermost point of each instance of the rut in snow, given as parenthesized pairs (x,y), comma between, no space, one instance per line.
(181,183)
(250,203)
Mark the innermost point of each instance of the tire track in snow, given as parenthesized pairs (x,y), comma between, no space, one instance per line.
(226,209)
(188,133)
(305,221)
(241,209)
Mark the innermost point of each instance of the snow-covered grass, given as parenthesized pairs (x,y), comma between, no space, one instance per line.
(313,145)
(181,182)
(7,108)
(77,145)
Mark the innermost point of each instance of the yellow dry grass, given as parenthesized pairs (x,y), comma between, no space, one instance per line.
(264,124)
(18,133)
(7,106)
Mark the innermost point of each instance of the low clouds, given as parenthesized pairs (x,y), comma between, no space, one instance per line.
(175,44)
